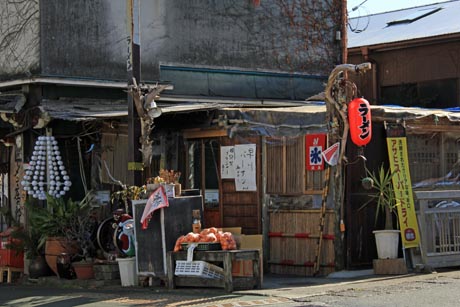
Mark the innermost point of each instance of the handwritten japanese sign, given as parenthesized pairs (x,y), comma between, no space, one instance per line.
(399,164)
(245,167)
(227,160)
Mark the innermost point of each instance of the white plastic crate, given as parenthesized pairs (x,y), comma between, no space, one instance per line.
(198,269)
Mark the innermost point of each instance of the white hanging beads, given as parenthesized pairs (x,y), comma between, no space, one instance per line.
(46,172)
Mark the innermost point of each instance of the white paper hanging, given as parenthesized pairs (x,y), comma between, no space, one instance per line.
(227,161)
(245,167)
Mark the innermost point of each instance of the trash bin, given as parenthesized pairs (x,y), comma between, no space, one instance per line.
(128,271)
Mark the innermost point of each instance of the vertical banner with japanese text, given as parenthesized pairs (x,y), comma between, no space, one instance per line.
(245,167)
(399,164)
(227,159)
(314,146)
(239,162)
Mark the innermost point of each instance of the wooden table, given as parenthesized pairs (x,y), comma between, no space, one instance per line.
(9,273)
(229,282)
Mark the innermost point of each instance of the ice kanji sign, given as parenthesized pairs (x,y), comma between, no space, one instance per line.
(314,145)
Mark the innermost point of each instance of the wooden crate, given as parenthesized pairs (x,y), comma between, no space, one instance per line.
(389,266)
(293,240)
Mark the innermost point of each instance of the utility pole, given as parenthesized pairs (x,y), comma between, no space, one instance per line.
(135,165)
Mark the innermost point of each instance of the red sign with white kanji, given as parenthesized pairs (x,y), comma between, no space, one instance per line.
(314,146)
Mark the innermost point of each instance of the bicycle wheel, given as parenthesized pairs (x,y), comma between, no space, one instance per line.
(105,235)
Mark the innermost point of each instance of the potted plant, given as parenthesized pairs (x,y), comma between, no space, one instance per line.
(59,225)
(82,230)
(27,241)
(387,240)
(168,178)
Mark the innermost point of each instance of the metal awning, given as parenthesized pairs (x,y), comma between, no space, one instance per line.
(11,103)
(279,121)
(308,114)
(79,109)
(67,81)
(388,112)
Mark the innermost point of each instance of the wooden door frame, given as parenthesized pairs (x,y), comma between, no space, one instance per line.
(202,135)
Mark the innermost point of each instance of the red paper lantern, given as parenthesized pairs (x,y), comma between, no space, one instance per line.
(359,118)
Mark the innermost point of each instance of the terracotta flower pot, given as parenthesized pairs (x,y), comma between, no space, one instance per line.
(56,246)
(84,270)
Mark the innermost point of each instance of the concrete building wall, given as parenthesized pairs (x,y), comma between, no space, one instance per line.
(89,38)
(19,38)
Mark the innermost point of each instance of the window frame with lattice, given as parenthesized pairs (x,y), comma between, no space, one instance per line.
(286,172)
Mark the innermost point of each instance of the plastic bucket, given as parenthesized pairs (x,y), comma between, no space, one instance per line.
(387,242)
(128,271)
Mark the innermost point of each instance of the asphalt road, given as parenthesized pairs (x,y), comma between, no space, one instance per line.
(32,296)
(439,289)
(420,290)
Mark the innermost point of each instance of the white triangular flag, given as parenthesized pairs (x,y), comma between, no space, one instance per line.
(331,155)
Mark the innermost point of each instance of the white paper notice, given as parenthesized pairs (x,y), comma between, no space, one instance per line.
(227,160)
(245,167)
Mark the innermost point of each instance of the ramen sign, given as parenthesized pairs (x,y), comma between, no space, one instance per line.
(359,118)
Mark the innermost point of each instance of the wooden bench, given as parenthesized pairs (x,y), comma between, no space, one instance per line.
(228,282)
(10,271)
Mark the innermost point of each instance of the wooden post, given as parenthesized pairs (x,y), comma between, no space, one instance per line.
(336,113)
(135,166)
(319,242)
(228,279)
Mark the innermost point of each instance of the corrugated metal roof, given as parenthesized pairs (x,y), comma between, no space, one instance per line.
(398,112)
(79,109)
(308,116)
(278,121)
(11,103)
(408,24)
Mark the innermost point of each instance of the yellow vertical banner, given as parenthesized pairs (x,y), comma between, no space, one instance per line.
(399,165)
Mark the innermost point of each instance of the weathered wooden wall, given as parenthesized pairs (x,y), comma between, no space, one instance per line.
(242,209)
(406,65)
(293,241)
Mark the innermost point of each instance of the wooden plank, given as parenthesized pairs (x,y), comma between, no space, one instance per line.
(240,208)
(321,223)
(390,266)
(243,209)
(283,166)
(203,133)
(314,211)
(239,198)
(190,281)
(295,165)
(9,273)
(116,159)
(288,251)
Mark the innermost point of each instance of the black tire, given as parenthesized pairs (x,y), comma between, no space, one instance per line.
(105,236)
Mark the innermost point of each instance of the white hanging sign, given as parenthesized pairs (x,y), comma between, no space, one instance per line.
(227,159)
(245,167)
